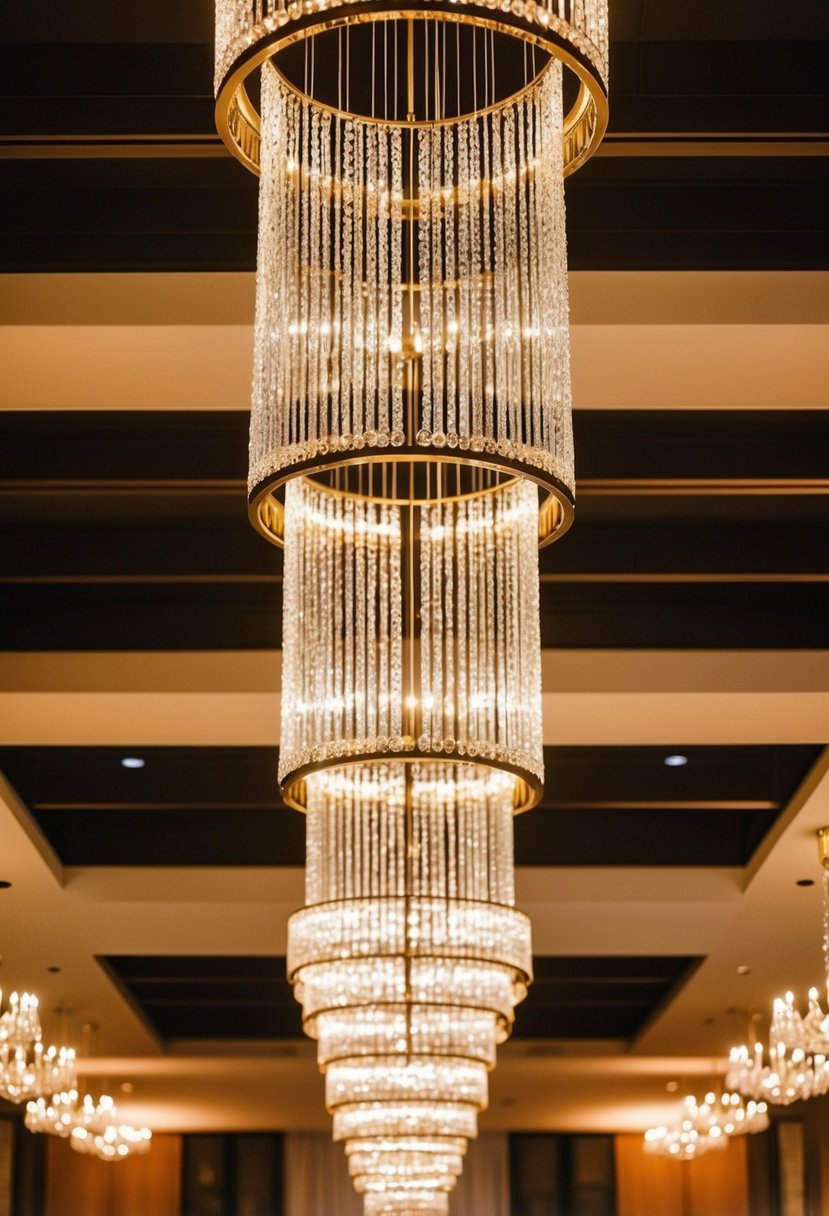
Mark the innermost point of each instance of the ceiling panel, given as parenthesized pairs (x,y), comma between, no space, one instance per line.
(219,806)
(213,997)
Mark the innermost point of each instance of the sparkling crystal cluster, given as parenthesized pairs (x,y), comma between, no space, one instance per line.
(707,1125)
(358,682)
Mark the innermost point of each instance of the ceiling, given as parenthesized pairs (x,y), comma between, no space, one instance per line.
(686,612)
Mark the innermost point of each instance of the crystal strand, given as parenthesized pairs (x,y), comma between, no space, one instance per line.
(424,247)
(383,631)
(358,281)
(427,593)
(461,541)
(512,346)
(347,280)
(452,841)
(291,616)
(304,171)
(314,190)
(450,726)
(327,425)
(450,278)
(436,556)
(497,558)
(465,274)
(337,551)
(488,205)
(534,156)
(296,246)
(502,335)
(396,609)
(437,324)
(384,343)
(474,668)
(489,630)
(338,404)
(349,609)
(327,656)
(531,629)
(396,345)
(370,293)
(363,630)
(526,246)
(514,737)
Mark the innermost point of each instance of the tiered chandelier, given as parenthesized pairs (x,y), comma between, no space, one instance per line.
(798,1044)
(410,448)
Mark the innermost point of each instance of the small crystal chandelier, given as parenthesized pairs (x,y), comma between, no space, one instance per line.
(707,1125)
(57,1110)
(98,1132)
(27,1070)
(798,1045)
(694,1134)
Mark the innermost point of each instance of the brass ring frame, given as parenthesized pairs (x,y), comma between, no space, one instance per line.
(267,514)
(526,794)
(239,124)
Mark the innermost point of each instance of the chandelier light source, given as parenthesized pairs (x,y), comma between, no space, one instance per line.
(411,447)
(798,1044)
(707,1125)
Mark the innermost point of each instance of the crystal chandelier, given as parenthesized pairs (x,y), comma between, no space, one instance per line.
(410,447)
(798,1045)
(98,1132)
(693,1134)
(54,1105)
(706,1125)
(27,1069)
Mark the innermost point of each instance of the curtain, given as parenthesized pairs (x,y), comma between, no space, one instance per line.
(317,1182)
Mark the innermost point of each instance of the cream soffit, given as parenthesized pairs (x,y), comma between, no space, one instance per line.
(639,341)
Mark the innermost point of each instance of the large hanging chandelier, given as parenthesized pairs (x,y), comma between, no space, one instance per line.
(794,1066)
(410,447)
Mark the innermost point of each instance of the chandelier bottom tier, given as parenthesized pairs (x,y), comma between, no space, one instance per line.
(409,959)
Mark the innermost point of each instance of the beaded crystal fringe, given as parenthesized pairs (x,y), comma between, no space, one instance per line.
(340,322)
(474,672)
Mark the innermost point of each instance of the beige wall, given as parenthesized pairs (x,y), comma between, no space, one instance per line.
(77,1185)
(715,1185)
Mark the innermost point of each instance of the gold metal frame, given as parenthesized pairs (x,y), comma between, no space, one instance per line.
(238,121)
(526,794)
(556,511)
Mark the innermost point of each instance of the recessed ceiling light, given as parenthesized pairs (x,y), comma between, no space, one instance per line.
(672,1087)
(132,762)
(4,884)
(675,761)
(127,1087)
(743,970)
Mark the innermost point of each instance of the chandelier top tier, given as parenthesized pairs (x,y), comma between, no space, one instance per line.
(403,42)
(392,654)
(411,339)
